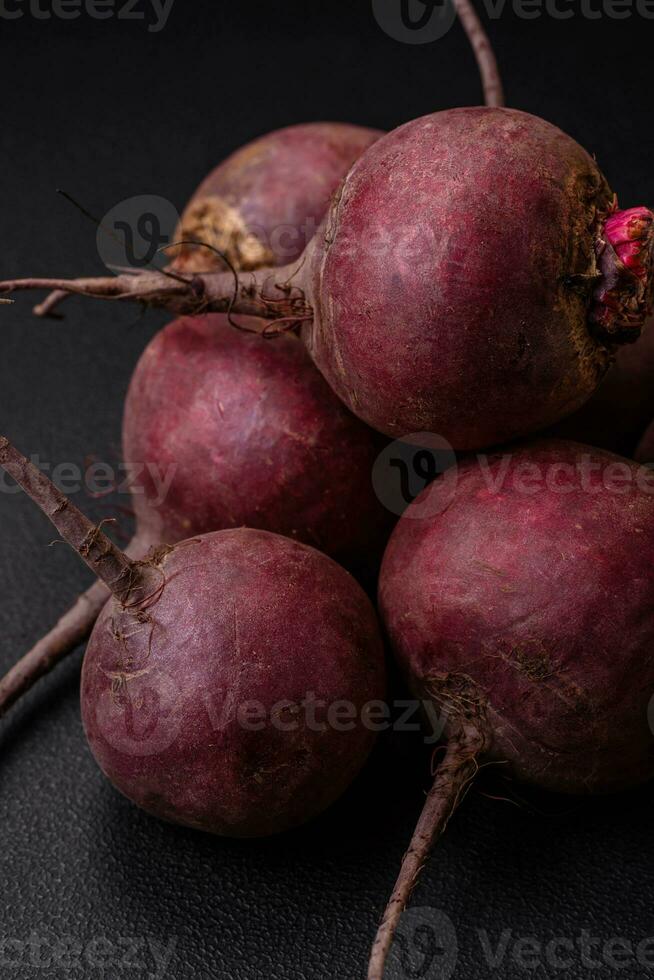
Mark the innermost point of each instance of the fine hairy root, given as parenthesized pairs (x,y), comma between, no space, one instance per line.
(486,60)
(466,740)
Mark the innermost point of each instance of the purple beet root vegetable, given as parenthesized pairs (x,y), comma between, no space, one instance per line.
(247,433)
(222,430)
(198,671)
(520,602)
(263,205)
(430,303)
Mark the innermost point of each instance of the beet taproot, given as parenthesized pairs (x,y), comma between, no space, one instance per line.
(430,303)
(197,674)
(222,430)
(518,596)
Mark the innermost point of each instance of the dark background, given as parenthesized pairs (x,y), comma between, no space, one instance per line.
(107,110)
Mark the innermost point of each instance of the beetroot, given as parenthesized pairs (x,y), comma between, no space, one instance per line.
(522,606)
(238,432)
(263,204)
(250,434)
(197,673)
(430,303)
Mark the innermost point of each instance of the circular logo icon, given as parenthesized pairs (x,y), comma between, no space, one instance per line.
(406,467)
(132,234)
(139,714)
(425,946)
(414,21)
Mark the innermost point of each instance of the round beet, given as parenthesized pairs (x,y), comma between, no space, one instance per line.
(209,679)
(263,204)
(454,290)
(222,430)
(198,714)
(472,279)
(520,603)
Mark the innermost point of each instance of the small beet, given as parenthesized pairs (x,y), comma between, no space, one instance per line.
(520,603)
(264,203)
(473,279)
(247,433)
(222,430)
(197,672)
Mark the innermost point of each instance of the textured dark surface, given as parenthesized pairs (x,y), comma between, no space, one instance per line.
(107,111)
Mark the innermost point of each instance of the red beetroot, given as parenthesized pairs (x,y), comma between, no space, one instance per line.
(237,432)
(199,646)
(521,603)
(249,433)
(473,279)
(263,204)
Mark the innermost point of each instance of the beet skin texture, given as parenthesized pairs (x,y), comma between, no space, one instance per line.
(242,432)
(264,203)
(533,584)
(192,704)
(452,292)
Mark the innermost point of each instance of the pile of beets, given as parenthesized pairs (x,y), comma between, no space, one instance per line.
(472,279)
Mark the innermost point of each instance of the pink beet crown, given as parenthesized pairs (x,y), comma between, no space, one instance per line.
(624,294)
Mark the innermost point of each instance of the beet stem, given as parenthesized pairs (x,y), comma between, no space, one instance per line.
(452,780)
(73,628)
(480,42)
(104,558)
